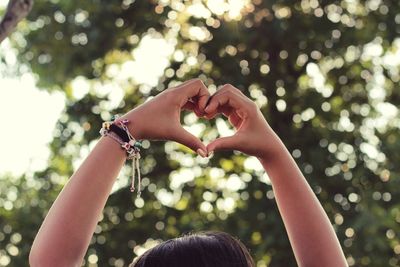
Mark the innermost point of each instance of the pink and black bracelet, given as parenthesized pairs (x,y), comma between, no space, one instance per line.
(119,132)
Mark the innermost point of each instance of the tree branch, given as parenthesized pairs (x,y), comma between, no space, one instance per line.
(16,11)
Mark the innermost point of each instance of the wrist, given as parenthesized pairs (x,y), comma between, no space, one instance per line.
(135,126)
(273,150)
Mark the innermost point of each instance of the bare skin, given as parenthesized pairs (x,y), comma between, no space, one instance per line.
(311,235)
(68,227)
(62,241)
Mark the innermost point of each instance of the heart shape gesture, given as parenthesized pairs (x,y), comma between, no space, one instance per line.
(84,196)
(159,118)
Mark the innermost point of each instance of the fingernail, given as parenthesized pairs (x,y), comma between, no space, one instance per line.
(210,154)
(201,152)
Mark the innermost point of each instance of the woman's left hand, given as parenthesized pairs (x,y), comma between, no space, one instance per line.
(159,118)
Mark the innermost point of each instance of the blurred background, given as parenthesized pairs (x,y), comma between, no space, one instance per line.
(324,73)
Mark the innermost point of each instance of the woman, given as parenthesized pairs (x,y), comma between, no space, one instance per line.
(63,242)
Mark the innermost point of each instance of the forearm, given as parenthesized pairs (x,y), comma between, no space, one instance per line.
(66,232)
(310,232)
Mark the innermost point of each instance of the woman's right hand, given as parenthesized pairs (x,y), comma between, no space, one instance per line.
(253,134)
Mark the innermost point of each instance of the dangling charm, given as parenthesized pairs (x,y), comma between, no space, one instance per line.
(106,125)
(132,147)
(126,146)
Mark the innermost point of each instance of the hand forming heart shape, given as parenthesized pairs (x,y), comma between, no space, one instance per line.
(159,118)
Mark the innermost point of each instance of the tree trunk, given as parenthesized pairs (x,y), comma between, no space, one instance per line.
(15,12)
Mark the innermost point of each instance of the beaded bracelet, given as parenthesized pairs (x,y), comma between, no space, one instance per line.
(118,131)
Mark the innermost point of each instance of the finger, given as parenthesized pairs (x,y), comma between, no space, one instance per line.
(227,95)
(197,90)
(235,120)
(231,114)
(210,116)
(185,138)
(212,112)
(193,107)
(185,83)
(226,99)
(223,143)
(225,110)
(189,106)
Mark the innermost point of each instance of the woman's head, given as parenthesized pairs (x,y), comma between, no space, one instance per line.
(204,249)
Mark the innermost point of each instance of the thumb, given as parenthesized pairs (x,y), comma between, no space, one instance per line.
(185,138)
(223,143)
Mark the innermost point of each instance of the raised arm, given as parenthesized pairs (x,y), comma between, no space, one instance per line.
(311,235)
(68,227)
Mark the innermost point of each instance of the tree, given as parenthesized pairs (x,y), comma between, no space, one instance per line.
(15,12)
(322,72)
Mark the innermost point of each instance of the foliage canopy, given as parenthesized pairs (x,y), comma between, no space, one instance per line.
(324,73)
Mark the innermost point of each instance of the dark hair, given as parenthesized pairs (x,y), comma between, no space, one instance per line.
(203,249)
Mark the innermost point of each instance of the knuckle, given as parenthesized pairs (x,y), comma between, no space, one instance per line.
(168,92)
(227,89)
(224,93)
(224,97)
(170,95)
(224,87)
(232,88)
(252,106)
(196,82)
